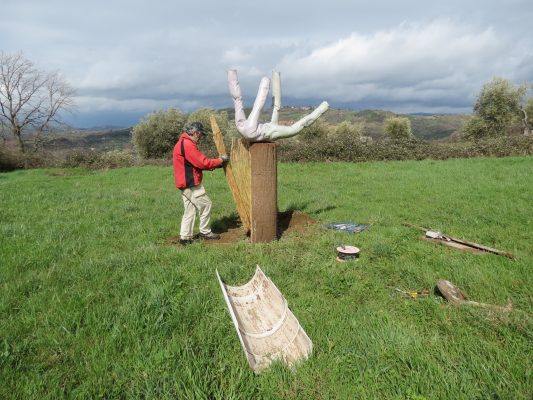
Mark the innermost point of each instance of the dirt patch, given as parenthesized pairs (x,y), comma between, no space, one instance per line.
(290,222)
(232,235)
(230,230)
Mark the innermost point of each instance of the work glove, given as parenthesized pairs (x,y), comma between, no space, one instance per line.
(224,158)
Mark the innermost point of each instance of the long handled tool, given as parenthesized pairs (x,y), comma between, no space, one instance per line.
(441,236)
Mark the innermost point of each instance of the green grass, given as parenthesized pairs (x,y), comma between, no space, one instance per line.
(94,304)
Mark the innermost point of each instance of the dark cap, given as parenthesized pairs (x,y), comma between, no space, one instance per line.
(195,127)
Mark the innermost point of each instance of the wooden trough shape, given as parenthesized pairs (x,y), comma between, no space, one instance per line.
(267,328)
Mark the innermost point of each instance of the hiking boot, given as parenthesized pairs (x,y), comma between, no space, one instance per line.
(209,236)
(185,242)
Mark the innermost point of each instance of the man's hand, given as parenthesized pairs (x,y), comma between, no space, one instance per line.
(224,158)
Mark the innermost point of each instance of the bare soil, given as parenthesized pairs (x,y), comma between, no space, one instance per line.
(290,222)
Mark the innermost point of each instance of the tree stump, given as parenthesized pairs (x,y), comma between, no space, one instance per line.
(264,192)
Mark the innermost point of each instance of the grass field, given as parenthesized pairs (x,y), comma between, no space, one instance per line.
(94,304)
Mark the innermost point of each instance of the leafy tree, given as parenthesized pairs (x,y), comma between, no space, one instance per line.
(207,144)
(497,107)
(398,128)
(31,100)
(156,135)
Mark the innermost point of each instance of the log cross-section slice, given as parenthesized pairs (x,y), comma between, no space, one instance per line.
(267,328)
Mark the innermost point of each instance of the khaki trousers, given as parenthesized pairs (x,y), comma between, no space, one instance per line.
(195,199)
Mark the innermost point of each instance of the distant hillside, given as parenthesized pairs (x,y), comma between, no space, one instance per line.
(428,127)
(99,140)
(436,126)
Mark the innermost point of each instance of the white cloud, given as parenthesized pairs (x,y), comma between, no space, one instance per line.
(235,56)
(127,55)
(409,62)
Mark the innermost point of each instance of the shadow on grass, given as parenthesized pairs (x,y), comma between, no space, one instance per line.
(226,223)
(324,209)
(301,206)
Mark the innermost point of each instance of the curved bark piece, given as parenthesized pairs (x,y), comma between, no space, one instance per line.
(267,328)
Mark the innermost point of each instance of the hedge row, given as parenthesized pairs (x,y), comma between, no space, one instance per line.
(84,158)
(340,148)
(354,150)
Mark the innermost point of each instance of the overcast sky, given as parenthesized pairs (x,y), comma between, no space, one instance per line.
(128,58)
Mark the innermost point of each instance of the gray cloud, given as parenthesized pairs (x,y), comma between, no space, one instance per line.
(131,57)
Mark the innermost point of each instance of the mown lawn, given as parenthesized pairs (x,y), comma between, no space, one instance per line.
(94,304)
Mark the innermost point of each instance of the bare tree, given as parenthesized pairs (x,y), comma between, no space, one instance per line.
(526,107)
(3,131)
(31,100)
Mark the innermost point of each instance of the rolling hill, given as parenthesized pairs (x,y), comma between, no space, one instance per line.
(428,127)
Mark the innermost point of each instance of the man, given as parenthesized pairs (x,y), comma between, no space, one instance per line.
(189,162)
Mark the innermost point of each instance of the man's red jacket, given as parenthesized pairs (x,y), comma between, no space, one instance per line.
(189,162)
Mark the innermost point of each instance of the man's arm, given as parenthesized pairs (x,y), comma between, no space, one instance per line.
(198,159)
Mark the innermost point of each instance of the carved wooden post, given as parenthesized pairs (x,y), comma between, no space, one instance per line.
(264,192)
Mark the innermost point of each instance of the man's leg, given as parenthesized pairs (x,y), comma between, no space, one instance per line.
(247,126)
(235,91)
(203,204)
(189,215)
(260,99)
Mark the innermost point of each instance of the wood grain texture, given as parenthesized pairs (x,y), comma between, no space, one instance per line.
(264,184)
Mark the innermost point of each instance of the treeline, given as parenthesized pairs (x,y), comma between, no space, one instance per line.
(329,147)
(500,126)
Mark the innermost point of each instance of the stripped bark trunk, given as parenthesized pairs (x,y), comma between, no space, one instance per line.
(264,191)
(525,123)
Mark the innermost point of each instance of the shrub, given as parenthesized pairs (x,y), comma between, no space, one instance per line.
(398,128)
(316,131)
(116,159)
(94,160)
(156,135)
(12,159)
(348,130)
(80,158)
(476,128)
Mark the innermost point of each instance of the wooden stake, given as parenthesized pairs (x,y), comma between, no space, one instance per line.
(264,190)
(465,242)
(253,181)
